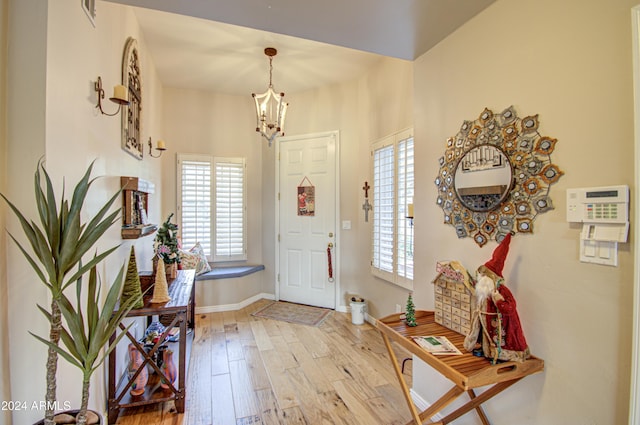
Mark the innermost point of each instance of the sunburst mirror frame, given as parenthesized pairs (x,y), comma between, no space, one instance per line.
(529,154)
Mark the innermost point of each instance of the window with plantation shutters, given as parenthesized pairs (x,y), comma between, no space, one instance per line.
(211,210)
(230,217)
(392,233)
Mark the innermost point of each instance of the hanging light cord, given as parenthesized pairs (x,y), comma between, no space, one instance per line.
(270,71)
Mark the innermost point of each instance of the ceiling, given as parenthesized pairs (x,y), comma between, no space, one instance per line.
(218,45)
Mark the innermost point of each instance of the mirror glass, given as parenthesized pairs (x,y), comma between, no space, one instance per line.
(483,178)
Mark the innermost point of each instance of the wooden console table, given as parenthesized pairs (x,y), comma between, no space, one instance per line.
(466,371)
(181,309)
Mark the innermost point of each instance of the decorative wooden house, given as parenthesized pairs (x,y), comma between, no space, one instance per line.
(454,297)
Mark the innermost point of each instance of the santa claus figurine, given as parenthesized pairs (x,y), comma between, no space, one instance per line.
(495,325)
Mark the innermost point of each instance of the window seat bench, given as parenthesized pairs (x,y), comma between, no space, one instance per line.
(229,272)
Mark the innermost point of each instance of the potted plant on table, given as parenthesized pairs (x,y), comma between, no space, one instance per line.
(165,246)
(58,244)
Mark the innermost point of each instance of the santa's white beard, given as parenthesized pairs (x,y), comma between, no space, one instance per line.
(484,288)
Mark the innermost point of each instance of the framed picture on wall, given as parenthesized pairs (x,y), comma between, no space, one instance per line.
(89,7)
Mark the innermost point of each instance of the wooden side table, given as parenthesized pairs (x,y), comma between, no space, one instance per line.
(465,371)
(182,309)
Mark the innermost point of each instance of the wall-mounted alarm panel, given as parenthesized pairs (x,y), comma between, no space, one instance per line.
(604,212)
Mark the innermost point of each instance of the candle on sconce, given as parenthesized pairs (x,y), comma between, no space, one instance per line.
(120,93)
(161,145)
(410,210)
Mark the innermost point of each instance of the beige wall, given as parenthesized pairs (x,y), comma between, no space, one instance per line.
(364,110)
(5,387)
(570,62)
(218,125)
(55,55)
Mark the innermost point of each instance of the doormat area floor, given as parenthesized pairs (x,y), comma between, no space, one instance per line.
(293,313)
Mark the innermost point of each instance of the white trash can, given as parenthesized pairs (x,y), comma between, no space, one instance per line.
(358,310)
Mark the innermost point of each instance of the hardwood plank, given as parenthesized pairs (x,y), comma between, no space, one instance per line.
(314,339)
(244,331)
(223,411)
(328,368)
(393,395)
(311,402)
(286,356)
(384,411)
(199,381)
(310,368)
(244,398)
(282,388)
(250,420)
(261,336)
(219,357)
(216,322)
(256,369)
(229,317)
(287,331)
(234,345)
(351,397)
(338,410)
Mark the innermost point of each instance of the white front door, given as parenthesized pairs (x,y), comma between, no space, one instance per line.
(307,219)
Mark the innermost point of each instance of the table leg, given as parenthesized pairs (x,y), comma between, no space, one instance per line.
(403,385)
(180,396)
(441,403)
(477,401)
(479,410)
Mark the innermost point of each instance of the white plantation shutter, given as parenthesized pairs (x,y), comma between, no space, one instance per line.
(404,194)
(392,244)
(194,195)
(230,217)
(383,206)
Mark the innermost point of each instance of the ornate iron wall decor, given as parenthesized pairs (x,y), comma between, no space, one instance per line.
(491,210)
(131,115)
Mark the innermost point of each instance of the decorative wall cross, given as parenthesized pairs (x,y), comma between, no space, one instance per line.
(366,206)
(366,188)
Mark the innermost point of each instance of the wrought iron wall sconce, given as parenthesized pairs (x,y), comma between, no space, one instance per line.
(119,96)
(161,147)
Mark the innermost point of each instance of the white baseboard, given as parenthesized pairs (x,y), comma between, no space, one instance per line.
(232,307)
(422,404)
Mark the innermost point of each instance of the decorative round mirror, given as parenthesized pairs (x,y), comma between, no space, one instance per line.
(483,178)
(495,176)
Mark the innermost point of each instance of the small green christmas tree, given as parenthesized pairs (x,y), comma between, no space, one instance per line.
(132,288)
(411,312)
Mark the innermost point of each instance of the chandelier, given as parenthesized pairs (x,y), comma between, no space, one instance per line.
(270,108)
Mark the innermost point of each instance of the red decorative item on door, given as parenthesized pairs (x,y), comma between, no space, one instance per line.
(329,263)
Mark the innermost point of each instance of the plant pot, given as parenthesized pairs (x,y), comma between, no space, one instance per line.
(72,414)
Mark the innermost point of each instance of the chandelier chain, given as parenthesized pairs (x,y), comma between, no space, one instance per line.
(270,71)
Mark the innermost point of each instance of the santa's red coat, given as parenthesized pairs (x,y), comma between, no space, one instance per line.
(512,337)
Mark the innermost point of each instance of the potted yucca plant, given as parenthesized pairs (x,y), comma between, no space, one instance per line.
(87,332)
(58,243)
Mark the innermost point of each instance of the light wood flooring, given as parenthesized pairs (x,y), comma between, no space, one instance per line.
(248,371)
